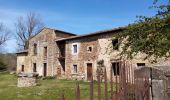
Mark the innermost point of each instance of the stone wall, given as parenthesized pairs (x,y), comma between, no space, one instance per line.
(27,81)
(46,38)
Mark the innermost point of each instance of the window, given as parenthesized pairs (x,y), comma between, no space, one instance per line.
(140,64)
(115,44)
(45,52)
(34,67)
(74,68)
(89,49)
(75,48)
(35,49)
(22,68)
(115,68)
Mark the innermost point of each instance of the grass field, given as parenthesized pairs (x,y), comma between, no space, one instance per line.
(47,90)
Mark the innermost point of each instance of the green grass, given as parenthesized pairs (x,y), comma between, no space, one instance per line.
(47,90)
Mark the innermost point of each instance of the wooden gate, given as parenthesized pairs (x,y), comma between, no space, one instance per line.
(130,84)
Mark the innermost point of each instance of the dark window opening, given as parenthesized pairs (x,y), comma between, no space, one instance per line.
(35,49)
(34,67)
(75,48)
(45,52)
(115,44)
(22,68)
(115,68)
(75,68)
(140,64)
(90,49)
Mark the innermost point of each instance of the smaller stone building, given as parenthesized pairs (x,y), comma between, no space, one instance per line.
(42,54)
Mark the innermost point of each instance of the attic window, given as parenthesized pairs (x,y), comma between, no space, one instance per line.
(89,49)
(115,44)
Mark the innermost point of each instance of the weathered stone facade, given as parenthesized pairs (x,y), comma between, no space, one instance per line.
(76,57)
(45,60)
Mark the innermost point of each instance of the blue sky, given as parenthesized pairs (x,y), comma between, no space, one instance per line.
(76,16)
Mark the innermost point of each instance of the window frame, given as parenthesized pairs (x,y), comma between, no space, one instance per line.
(89,50)
(73,48)
(22,68)
(117,64)
(35,49)
(45,51)
(34,67)
(75,71)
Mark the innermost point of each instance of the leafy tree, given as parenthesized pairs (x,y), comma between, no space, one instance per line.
(149,35)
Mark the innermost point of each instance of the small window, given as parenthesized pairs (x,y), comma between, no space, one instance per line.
(115,44)
(75,48)
(74,68)
(45,52)
(22,68)
(89,49)
(34,67)
(140,64)
(115,68)
(35,49)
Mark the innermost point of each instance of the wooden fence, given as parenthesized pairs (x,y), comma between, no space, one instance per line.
(129,85)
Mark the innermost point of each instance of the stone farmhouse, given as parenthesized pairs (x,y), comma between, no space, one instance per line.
(65,55)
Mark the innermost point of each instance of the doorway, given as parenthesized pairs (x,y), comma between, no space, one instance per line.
(89,71)
(45,70)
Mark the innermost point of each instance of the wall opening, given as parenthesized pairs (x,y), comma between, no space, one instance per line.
(45,70)
(22,68)
(34,67)
(74,68)
(116,68)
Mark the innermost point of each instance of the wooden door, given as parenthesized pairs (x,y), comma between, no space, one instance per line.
(89,71)
(45,70)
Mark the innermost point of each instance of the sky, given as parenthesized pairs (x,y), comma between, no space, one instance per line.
(75,16)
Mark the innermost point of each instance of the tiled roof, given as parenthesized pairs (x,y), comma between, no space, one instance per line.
(92,34)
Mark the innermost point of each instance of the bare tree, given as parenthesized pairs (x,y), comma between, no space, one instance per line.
(26,28)
(4,34)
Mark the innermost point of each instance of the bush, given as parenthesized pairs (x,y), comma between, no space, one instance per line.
(2,66)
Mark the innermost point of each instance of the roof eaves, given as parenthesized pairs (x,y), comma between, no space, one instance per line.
(91,34)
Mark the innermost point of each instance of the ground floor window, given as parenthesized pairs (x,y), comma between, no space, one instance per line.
(22,68)
(74,68)
(34,67)
(116,68)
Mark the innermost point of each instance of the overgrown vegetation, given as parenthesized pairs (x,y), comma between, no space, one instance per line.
(149,35)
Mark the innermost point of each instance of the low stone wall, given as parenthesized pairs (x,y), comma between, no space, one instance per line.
(27,81)
(78,77)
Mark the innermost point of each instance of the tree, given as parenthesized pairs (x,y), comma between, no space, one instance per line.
(149,35)
(26,28)
(4,34)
